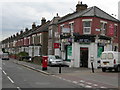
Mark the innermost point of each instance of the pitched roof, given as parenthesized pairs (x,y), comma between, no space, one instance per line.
(92,11)
(43,28)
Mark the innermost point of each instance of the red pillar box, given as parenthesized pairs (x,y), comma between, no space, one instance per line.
(44,62)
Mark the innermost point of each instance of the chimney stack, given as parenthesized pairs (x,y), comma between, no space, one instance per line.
(80,6)
(21,32)
(26,29)
(33,25)
(17,34)
(14,35)
(43,21)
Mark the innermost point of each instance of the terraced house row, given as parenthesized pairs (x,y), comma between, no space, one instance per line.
(74,37)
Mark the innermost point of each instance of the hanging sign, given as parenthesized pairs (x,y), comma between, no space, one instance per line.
(56,45)
(111,30)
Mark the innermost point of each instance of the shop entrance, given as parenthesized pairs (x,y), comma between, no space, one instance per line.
(83,57)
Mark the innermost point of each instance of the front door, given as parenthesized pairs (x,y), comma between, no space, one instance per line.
(83,57)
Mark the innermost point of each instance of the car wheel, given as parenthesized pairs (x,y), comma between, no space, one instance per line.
(117,69)
(50,64)
(104,69)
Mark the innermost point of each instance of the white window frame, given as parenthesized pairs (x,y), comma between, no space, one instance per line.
(39,35)
(29,40)
(102,29)
(50,33)
(87,20)
(33,36)
(115,25)
(71,27)
(61,27)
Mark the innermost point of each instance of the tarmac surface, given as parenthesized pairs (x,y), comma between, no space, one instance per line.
(80,76)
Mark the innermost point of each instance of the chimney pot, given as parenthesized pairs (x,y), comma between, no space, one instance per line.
(21,32)
(17,34)
(43,21)
(26,29)
(80,6)
(33,25)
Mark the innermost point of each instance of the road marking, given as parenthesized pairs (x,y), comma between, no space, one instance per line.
(10,79)
(4,72)
(81,84)
(87,86)
(88,83)
(75,82)
(102,87)
(69,80)
(60,77)
(82,81)
(18,88)
(64,79)
(95,85)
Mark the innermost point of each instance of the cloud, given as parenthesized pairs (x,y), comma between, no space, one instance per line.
(16,16)
(19,14)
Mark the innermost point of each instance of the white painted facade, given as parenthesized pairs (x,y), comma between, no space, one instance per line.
(31,51)
(57,51)
(36,50)
(92,50)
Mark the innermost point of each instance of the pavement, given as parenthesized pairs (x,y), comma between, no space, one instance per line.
(82,76)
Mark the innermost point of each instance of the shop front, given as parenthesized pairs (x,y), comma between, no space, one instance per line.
(78,53)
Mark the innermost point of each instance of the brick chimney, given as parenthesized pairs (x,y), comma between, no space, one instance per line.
(14,35)
(17,34)
(80,6)
(26,29)
(43,21)
(21,32)
(33,25)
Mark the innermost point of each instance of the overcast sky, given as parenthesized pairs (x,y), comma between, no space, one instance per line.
(19,14)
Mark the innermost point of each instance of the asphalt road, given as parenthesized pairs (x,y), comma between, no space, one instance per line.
(16,76)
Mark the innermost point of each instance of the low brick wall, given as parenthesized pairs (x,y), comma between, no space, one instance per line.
(37,60)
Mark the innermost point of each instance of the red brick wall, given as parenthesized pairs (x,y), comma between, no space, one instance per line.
(78,26)
(119,35)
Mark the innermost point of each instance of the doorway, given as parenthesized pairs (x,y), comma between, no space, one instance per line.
(83,57)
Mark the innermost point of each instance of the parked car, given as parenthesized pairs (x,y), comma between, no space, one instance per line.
(5,56)
(110,60)
(54,60)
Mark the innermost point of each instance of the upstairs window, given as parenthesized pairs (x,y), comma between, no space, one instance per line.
(115,30)
(87,26)
(50,33)
(103,27)
(71,25)
(61,28)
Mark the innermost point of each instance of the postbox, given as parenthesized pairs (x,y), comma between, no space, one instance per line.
(44,62)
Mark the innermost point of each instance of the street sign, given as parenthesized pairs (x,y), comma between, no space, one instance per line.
(56,45)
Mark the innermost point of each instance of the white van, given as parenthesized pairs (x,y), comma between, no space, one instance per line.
(110,60)
(5,56)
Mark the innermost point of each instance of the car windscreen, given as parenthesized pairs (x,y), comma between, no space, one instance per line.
(110,56)
(104,56)
(57,57)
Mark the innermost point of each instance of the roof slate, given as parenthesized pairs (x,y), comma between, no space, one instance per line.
(92,11)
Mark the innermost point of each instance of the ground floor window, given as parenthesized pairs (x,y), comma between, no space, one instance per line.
(100,50)
(68,52)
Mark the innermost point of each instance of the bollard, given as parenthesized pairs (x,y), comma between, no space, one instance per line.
(59,68)
(92,60)
(92,67)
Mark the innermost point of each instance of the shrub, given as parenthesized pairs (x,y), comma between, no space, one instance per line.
(22,54)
